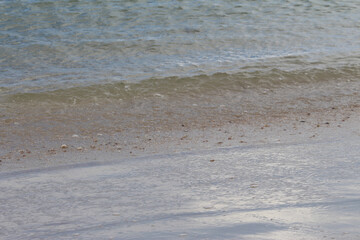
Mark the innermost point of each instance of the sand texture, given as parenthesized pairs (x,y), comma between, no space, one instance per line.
(282,191)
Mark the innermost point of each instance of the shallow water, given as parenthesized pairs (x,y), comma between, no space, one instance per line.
(52,45)
(127,68)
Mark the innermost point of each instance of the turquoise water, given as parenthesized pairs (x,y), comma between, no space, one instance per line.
(52,45)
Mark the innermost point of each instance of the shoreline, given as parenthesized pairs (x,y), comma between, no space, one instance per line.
(44,133)
(250,130)
(196,169)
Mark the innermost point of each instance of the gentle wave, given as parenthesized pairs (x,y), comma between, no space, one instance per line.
(195,86)
(51,45)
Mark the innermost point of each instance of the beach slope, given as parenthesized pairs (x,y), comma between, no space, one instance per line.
(273,191)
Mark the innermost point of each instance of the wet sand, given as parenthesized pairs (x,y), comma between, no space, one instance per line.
(269,190)
(211,167)
(38,131)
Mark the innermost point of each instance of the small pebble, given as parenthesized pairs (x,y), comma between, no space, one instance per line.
(183,137)
(75,136)
(79,148)
(64,146)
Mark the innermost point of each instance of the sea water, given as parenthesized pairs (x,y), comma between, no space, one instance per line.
(105,47)
(132,68)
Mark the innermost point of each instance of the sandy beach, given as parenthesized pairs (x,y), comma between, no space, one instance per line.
(39,131)
(209,175)
(302,188)
(179,119)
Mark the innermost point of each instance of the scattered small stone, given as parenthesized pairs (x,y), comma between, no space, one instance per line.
(220,143)
(52,151)
(99,134)
(159,95)
(75,136)
(212,160)
(184,137)
(79,148)
(302,121)
(92,146)
(327,123)
(64,146)
(229,138)
(253,185)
